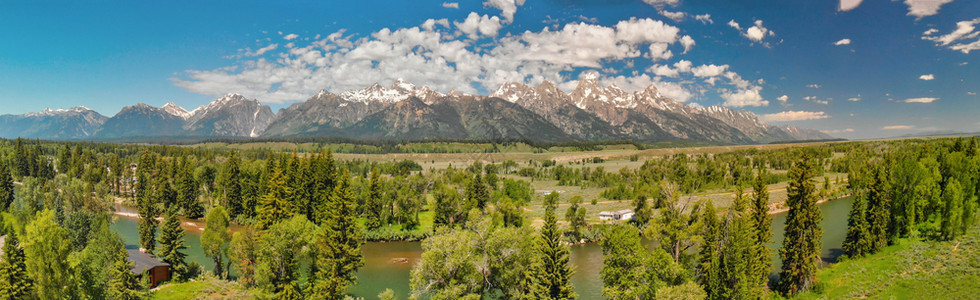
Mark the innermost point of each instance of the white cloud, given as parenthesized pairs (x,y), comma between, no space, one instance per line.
(789,116)
(475,25)
(450,5)
(709,70)
(676,16)
(735,25)
(262,50)
(813,86)
(687,42)
(846,5)
(705,18)
(662,70)
(920,100)
(924,8)
(758,32)
(854,99)
(290,36)
(659,51)
(971,93)
(646,31)
(783,98)
(930,31)
(430,24)
(507,7)
(661,3)
(815,100)
(842,42)
(958,39)
(927,77)
(743,98)
(838,130)
(897,127)
(683,66)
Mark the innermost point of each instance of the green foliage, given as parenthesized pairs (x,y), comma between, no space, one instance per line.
(6,187)
(858,241)
(952,216)
(448,206)
(14,282)
(187,191)
(243,255)
(554,274)
(678,227)
(278,255)
(630,271)
(338,244)
(762,222)
(801,248)
(216,236)
(274,205)
(877,215)
(46,246)
(373,203)
(172,246)
(124,285)
(477,194)
(575,216)
(230,184)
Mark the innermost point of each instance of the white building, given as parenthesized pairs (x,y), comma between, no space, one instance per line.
(626,214)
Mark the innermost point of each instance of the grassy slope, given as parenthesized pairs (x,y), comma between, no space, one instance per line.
(909,270)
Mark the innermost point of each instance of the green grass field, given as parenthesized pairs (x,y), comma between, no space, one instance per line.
(911,269)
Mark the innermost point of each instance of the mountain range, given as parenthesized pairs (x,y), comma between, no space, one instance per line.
(404,111)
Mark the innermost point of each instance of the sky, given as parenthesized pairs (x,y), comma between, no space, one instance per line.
(854,69)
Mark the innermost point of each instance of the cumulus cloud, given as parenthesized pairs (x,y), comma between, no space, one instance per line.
(507,7)
(662,3)
(683,65)
(788,116)
(814,99)
(662,70)
(659,51)
(430,24)
(959,39)
(290,36)
(646,31)
(846,5)
(687,42)
(705,18)
(709,70)
(842,42)
(476,25)
(450,5)
(930,31)
(735,25)
(743,98)
(920,100)
(676,16)
(924,8)
(783,98)
(927,77)
(758,32)
(897,127)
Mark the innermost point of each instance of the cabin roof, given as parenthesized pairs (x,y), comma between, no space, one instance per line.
(143,261)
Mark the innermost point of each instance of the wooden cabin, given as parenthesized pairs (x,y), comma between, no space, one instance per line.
(144,263)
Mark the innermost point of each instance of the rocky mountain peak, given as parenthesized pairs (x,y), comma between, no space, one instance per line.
(376,93)
(513,91)
(174,109)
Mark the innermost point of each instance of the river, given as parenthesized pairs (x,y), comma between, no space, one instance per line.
(388,265)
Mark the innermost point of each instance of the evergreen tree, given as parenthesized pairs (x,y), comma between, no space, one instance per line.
(373,204)
(172,245)
(231,184)
(555,272)
(145,206)
(243,256)
(952,212)
(708,268)
(6,187)
(477,195)
(878,216)
(187,191)
(858,240)
(338,245)
(280,251)
(215,238)
(446,205)
(124,285)
(14,282)
(801,247)
(762,222)
(642,210)
(622,264)
(274,205)
(736,273)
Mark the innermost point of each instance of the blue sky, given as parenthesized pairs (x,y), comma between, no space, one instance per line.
(857,69)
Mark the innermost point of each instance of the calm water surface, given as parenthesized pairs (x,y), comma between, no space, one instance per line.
(388,265)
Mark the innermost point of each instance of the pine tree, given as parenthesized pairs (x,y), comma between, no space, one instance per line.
(274,205)
(14,282)
(952,212)
(710,254)
(736,271)
(858,240)
(145,206)
(554,274)
(187,191)
(124,285)
(372,205)
(172,245)
(215,238)
(242,255)
(232,185)
(801,247)
(878,210)
(762,221)
(46,247)
(6,187)
(477,195)
(338,245)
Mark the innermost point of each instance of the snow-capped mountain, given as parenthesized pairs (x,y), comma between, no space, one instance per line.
(404,111)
